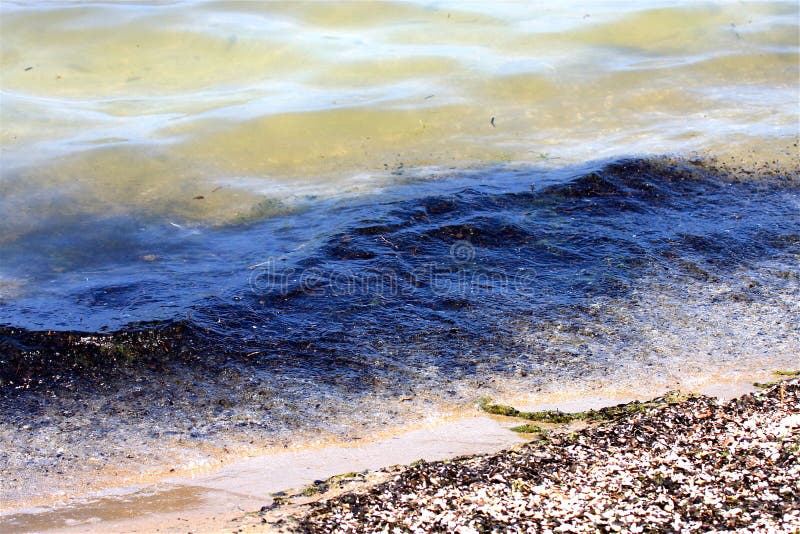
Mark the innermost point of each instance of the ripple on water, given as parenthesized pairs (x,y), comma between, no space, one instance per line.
(639,272)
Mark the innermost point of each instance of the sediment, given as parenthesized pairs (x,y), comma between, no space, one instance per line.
(692,465)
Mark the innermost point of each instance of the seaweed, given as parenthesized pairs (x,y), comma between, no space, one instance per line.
(611,413)
(529,429)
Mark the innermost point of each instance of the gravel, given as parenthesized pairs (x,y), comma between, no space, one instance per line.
(693,465)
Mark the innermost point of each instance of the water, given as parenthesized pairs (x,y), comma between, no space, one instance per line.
(229,223)
(128,109)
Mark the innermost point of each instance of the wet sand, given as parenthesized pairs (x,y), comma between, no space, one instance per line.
(210,499)
(214,499)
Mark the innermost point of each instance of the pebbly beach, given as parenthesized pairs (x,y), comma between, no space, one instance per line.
(693,465)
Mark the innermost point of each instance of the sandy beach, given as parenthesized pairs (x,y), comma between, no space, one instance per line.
(678,466)
(308,490)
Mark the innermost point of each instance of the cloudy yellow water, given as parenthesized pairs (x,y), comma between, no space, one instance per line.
(141,107)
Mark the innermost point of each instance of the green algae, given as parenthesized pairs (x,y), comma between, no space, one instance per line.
(322,486)
(529,429)
(349,474)
(498,409)
(313,489)
(610,413)
(780,373)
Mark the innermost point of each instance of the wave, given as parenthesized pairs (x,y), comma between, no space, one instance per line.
(438,285)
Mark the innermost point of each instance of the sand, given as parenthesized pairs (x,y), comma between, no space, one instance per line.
(216,498)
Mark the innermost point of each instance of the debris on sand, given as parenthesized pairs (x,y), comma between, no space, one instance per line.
(692,465)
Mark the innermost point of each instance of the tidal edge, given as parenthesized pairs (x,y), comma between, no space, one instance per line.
(692,464)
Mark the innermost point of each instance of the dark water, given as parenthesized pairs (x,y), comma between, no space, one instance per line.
(388,293)
(140,343)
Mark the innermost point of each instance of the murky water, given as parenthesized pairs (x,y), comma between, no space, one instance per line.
(228,223)
(136,110)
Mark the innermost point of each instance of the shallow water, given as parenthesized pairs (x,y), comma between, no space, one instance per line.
(228,223)
(133,110)
(209,500)
(636,277)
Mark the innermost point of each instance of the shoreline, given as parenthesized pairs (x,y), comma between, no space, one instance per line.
(208,499)
(274,266)
(78,480)
(690,464)
(636,315)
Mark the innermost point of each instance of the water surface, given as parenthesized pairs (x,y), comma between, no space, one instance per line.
(241,224)
(136,109)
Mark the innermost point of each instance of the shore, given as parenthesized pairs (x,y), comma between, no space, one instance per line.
(303,267)
(718,440)
(692,464)
(577,306)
